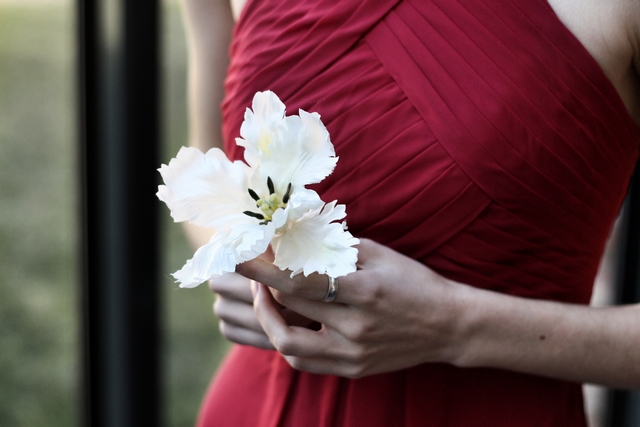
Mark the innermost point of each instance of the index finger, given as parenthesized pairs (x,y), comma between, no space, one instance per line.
(232,285)
(312,287)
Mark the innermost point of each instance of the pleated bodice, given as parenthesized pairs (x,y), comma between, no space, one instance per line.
(478,137)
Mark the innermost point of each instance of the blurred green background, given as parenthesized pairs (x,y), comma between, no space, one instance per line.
(39,307)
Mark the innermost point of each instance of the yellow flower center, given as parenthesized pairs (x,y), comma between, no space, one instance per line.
(269,204)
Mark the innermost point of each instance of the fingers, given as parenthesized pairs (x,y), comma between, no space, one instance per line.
(313,287)
(237,313)
(245,336)
(238,321)
(322,352)
(232,285)
(293,318)
(234,307)
(326,366)
(310,287)
(289,340)
(330,314)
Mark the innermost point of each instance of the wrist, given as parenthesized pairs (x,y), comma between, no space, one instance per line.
(469,310)
(455,318)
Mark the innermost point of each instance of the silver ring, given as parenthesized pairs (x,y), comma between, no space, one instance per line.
(332,291)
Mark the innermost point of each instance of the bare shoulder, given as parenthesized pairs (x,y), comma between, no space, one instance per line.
(610,31)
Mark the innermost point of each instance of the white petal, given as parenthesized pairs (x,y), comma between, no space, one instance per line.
(294,149)
(260,126)
(300,203)
(211,260)
(251,240)
(301,153)
(226,249)
(206,189)
(315,243)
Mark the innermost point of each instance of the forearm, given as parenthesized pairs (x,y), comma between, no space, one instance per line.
(208,24)
(565,341)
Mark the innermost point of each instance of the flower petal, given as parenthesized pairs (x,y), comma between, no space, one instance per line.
(315,243)
(225,250)
(206,189)
(300,203)
(260,126)
(301,153)
(294,149)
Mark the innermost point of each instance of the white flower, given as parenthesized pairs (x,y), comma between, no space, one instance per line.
(294,149)
(265,202)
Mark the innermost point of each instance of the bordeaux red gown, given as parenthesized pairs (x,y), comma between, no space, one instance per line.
(476,136)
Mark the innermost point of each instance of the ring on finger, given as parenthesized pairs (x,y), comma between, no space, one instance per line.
(332,290)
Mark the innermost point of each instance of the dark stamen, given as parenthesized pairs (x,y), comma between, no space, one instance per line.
(263,222)
(270,185)
(253,195)
(253,214)
(285,199)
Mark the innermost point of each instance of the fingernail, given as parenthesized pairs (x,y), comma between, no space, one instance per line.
(254,290)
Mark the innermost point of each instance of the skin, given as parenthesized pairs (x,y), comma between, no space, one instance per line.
(394,312)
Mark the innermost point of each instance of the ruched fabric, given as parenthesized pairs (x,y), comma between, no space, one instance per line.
(476,136)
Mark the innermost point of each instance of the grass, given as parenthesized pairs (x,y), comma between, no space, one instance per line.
(39,323)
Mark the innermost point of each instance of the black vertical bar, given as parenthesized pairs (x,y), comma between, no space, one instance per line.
(119,118)
(624,405)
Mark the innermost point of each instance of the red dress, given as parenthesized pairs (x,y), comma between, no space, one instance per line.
(476,136)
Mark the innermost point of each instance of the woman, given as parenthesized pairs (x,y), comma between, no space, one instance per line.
(485,148)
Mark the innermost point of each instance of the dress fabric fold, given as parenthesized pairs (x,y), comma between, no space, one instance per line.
(478,137)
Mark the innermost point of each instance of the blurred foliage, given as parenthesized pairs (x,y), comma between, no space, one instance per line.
(39,324)
(38,303)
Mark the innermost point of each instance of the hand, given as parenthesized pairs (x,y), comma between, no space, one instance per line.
(394,313)
(391,314)
(234,307)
